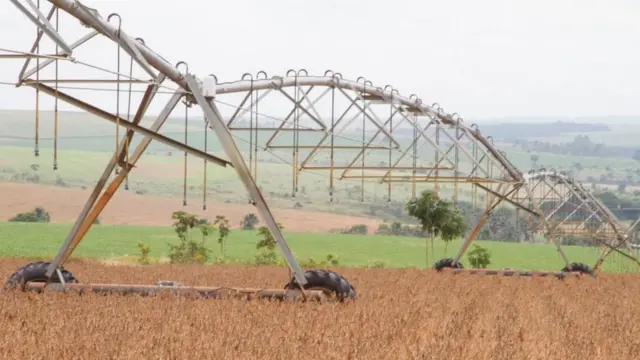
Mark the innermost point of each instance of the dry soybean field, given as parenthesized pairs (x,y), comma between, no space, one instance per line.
(400,314)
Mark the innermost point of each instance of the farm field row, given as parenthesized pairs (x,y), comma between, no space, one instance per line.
(400,314)
(162,176)
(118,243)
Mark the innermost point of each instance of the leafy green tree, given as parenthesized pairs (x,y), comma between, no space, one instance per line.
(436,216)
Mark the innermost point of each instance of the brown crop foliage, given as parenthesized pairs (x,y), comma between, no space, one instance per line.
(401,314)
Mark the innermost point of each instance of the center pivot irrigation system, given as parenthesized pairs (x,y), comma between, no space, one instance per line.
(397,139)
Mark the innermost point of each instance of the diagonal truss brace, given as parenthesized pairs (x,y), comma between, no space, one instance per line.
(121,38)
(44,24)
(217,124)
(286,123)
(496,197)
(374,120)
(26,73)
(86,219)
(131,126)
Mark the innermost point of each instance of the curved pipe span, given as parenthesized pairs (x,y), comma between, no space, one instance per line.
(387,93)
(153,63)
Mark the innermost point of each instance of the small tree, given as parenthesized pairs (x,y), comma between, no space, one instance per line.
(267,246)
(534,160)
(268,241)
(437,217)
(479,257)
(145,249)
(188,250)
(250,221)
(396,228)
(222,224)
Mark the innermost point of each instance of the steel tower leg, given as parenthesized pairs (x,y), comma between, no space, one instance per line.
(217,124)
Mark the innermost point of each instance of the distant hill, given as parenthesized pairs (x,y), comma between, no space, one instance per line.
(18,124)
(511,131)
(608,119)
(515,131)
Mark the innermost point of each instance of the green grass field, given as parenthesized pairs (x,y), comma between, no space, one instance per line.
(113,242)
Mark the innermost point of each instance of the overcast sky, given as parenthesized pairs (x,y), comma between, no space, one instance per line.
(489,58)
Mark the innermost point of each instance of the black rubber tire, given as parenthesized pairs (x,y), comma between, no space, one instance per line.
(447,263)
(36,272)
(328,281)
(579,268)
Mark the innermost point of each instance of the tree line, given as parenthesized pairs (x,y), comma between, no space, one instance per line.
(581,145)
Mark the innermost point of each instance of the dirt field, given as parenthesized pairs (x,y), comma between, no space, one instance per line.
(126,208)
(400,314)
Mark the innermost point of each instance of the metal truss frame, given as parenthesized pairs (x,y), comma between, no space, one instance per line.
(461,154)
(562,207)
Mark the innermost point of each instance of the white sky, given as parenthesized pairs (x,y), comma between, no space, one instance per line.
(482,59)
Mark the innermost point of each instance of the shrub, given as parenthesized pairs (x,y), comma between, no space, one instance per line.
(479,257)
(383,229)
(37,215)
(188,250)
(266,258)
(329,260)
(250,221)
(360,229)
(377,264)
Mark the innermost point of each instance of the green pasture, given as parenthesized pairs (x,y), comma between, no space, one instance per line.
(109,242)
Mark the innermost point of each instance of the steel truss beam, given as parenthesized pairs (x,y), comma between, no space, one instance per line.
(482,160)
(94,206)
(130,125)
(564,208)
(43,23)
